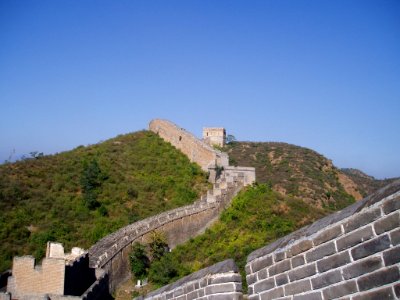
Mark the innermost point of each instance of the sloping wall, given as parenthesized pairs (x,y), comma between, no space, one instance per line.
(353,254)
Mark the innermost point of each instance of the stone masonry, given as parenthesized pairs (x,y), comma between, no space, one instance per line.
(214,136)
(352,254)
(218,282)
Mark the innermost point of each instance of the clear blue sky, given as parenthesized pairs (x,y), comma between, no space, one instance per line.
(320,74)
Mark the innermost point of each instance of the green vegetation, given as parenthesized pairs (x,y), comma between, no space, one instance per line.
(77,197)
(256,217)
(293,170)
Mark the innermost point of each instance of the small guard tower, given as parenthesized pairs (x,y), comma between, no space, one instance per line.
(214,136)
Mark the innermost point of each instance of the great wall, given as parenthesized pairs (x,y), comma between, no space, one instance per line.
(352,254)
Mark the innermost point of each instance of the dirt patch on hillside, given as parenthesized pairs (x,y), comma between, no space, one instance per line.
(349,186)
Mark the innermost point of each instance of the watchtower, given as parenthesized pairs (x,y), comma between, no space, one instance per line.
(214,136)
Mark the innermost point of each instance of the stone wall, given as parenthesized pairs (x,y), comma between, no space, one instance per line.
(112,252)
(220,281)
(196,150)
(354,254)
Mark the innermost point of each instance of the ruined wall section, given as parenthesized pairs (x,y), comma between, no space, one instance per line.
(220,281)
(196,150)
(354,254)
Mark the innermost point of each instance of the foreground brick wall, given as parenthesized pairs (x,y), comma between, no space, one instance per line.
(218,282)
(354,254)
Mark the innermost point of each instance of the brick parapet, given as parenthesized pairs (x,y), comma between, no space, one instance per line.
(220,281)
(354,253)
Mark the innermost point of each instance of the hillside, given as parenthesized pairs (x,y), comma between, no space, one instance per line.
(366,184)
(296,171)
(79,196)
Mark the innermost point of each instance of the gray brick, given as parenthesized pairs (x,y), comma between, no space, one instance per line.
(395,237)
(320,252)
(329,278)
(391,205)
(354,238)
(310,296)
(178,292)
(281,279)
(299,248)
(220,288)
(384,293)
(340,290)
(333,262)
(189,288)
(327,235)
(376,245)
(280,256)
(272,294)
(262,274)
(298,287)
(362,219)
(397,290)
(248,269)
(392,256)
(230,296)
(201,292)
(183,297)
(302,272)
(229,278)
(388,223)
(298,261)
(192,295)
(251,279)
(280,267)
(378,278)
(362,267)
(261,263)
(250,290)
(264,285)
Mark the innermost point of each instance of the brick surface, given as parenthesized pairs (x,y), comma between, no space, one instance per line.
(388,223)
(391,256)
(280,256)
(299,248)
(326,279)
(395,237)
(261,263)
(320,252)
(397,290)
(391,205)
(230,296)
(310,296)
(362,267)
(383,294)
(279,267)
(362,219)
(281,279)
(272,294)
(327,235)
(298,287)
(354,238)
(333,261)
(251,279)
(378,278)
(264,285)
(298,261)
(223,279)
(302,272)
(373,246)
(340,290)
(219,288)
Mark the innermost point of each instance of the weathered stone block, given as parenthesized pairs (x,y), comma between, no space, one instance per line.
(272,294)
(264,285)
(392,256)
(299,248)
(320,252)
(251,279)
(298,261)
(333,262)
(340,290)
(279,256)
(362,219)
(354,238)
(384,293)
(178,292)
(192,295)
(220,288)
(376,245)
(262,274)
(391,205)
(309,296)
(328,234)
(298,287)
(395,237)
(388,223)
(302,272)
(280,267)
(397,290)
(378,278)
(226,278)
(326,279)
(230,296)
(281,279)
(261,263)
(189,288)
(362,267)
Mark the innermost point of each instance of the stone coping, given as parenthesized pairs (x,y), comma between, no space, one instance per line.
(391,189)
(221,267)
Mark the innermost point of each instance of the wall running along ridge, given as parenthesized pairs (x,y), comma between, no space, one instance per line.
(354,254)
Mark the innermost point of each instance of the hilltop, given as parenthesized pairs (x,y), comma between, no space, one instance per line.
(79,196)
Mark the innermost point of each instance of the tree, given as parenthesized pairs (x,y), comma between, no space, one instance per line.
(230,139)
(91,180)
(158,245)
(140,263)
